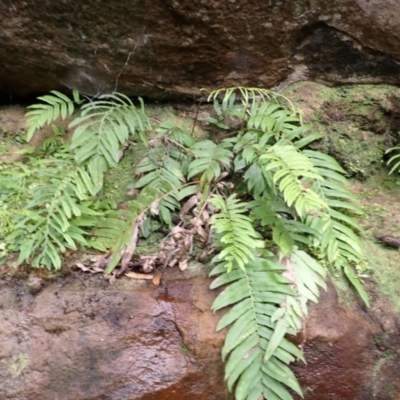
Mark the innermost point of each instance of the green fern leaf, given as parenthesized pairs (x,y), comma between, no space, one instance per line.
(101,130)
(53,106)
(393,161)
(53,205)
(290,170)
(159,170)
(252,330)
(235,231)
(209,157)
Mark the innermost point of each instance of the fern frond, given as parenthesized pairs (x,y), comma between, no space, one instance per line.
(286,231)
(235,231)
(254,293)
(158,169)
(101,130)
(335,237)
(209,157)
(270,117)
(292,171)
(394,160)
(50,212)
(250,95)
(264,308)
(55,105)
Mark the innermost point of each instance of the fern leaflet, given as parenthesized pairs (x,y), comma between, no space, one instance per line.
(234,230)
(209,157)
(48,225)
(101,130)
(55,105)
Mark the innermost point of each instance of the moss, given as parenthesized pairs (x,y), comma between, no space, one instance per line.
(359,122)
(385,270)
(379,203)
(19,364)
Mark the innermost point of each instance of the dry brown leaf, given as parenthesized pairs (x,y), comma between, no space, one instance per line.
(222,175)
(188,242)
(228,185)
(205,216)
(196,221)
(177,230)
(148,263)
(173,262)
(189,205)
(135,275)
(202,233)
(157,279)
(183,264)
(101,260)
(211,209)
(93,269)
(83,267)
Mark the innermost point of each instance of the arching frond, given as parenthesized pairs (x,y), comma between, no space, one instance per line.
(263,309)
(234,231)
(209,158)
(292,171)
(101,130)
(49,224)
(53,106)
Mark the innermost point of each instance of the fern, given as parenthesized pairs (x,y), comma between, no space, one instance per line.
(119,230)
(250,96)
(209,157)
(48,228)
(104,125)
(394,160)
(101,130)
(53,106)
(283,191)
(162,167)
(298,195)
(235,231)
(291,172)
(258,354)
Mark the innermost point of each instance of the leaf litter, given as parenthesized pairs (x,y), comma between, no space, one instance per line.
(189,239)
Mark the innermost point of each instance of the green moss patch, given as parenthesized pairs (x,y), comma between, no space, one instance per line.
(359,122)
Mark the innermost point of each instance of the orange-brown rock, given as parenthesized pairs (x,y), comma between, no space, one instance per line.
(349,355)
(79,338)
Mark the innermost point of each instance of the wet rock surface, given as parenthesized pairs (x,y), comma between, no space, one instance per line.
(352,352)
(173,48)
(81,338)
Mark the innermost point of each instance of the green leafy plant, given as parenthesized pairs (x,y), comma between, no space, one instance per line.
(272,214)
(45,220)
(102,129)
(394,159)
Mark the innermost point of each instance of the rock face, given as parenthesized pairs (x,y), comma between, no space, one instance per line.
(80,338)
(350,356)
(84,339)
(166,48)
